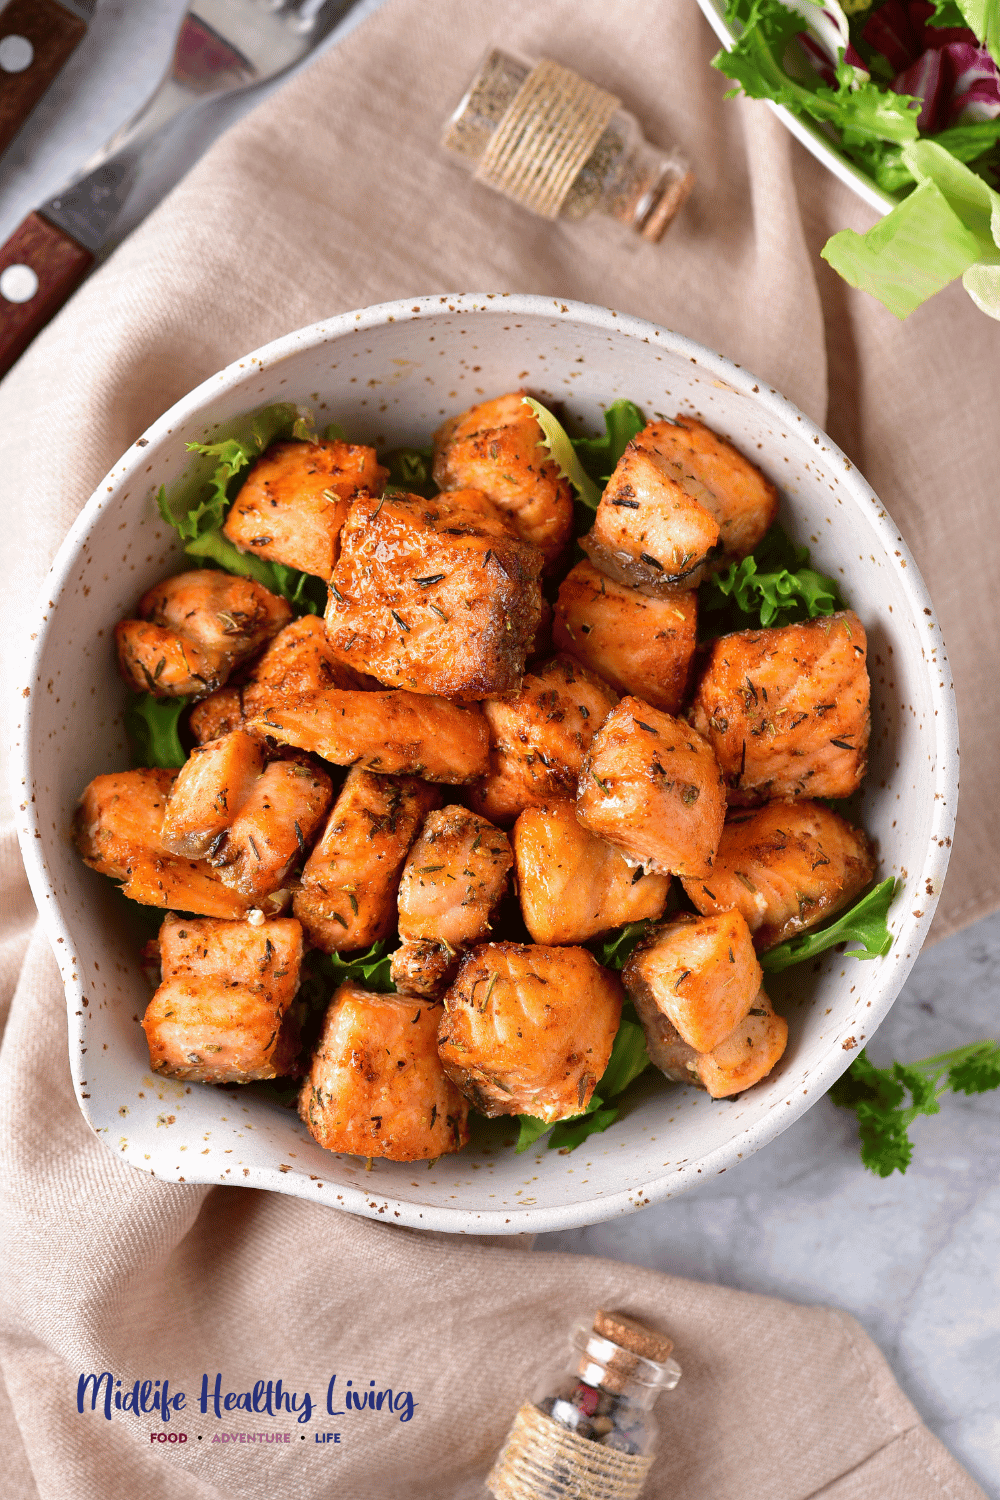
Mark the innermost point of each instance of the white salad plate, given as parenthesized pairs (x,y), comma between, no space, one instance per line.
(388,375)
(809,132)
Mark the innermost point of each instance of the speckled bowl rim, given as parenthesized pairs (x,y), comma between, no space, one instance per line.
(914,924)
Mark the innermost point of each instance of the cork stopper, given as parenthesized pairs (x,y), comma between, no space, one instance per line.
(619,1353)
(629,1334)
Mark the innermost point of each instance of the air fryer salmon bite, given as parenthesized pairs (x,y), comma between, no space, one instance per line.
(407,824)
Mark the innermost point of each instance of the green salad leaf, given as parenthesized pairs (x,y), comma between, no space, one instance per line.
(557,440)
(877,1096)
(628,1060)
(615,948)
(864,923)
(938,231)
(197,509)
(773,586)
(949,225)
(411,470)
(151,725)
(860,110)
(599,456)
(325,971)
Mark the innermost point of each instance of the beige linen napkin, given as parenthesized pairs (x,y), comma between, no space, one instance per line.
(333,196)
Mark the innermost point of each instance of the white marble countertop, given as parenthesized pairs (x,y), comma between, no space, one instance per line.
(917,1258)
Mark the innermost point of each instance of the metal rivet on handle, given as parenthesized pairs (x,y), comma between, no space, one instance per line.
(18,284)
(16,54)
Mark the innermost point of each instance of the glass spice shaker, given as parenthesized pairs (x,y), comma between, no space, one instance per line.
(589,1432)
(562,147)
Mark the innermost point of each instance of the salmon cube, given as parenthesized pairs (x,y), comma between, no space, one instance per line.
(496,447)
(393,733)
(785,867)
(154,659)
(219,1015)
(191,885)
(209,791)
(733,490)
(206,622)
(786,710)
(529,1029)
(454,878)
(423,967)
(574,885)
(121,816)
(654,529)
(539,736)
(376,1086)
(350,880)
(652,787)
(637,644)
(743,1058)
(700,972)
(273,829)
(118,830)
(437,596)
(299,660)
(295,500)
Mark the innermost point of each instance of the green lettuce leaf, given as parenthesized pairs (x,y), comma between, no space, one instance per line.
(197,508)
(622,422)
(151,725)
(982,17)
(864,923)
(616,947)
(200,504)
(411,470)
(948,225)
(859,109)
(326,971)
(946,14)
(557,440)
(773,586)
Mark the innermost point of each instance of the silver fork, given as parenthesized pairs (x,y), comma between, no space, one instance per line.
(222,46)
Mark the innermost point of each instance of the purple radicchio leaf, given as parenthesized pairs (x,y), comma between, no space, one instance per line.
(925,79)
(975,83)
(890,32)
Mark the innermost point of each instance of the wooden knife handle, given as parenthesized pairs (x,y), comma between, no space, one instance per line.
(39,267)
(51,33)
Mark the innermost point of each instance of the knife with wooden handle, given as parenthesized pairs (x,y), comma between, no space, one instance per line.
(36,38)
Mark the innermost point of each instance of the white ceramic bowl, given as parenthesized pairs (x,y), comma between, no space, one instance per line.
(388,375)
(810,132)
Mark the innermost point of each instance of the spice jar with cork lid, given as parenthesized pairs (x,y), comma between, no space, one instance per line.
(562,147)
(589,1431)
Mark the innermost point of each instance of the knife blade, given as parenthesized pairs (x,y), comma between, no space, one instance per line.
(36,39)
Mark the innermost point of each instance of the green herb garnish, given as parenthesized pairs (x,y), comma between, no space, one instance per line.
(864,923)
(877,1097)
(616,947)
(151,725)
(773,586)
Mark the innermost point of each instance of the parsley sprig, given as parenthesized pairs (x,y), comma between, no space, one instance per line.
(877,1097)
